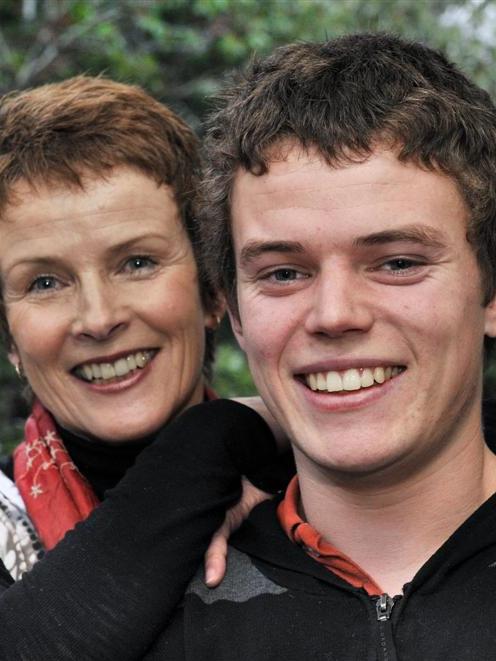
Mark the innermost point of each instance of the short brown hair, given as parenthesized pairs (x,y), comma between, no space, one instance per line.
(346,96)
(57,133)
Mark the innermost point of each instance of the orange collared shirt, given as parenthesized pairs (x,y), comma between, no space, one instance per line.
(300,532)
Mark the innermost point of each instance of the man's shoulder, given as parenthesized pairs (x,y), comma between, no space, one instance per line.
(262,561)
(251,545)
(243,581)
(250,614)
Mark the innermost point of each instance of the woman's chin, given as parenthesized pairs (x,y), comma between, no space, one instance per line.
(116,427)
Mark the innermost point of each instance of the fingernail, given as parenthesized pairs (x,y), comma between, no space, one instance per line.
(209,577)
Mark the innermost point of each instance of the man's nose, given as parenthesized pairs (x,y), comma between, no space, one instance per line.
(99,311)
(340,304)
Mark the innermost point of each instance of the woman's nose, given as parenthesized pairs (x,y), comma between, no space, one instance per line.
(99,312)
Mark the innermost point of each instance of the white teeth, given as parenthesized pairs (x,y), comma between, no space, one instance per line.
(352,379)
(367,378)
(108,371)
(321,381)
(334,382)
(120,367)
(379,375)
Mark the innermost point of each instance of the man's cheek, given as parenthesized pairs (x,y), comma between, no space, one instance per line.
(263,343)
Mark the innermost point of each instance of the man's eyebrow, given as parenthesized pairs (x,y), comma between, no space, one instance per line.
(254,249)
(425,236)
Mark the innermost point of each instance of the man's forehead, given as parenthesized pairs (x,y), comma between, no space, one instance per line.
(292,161)
(302,202)
(381,177)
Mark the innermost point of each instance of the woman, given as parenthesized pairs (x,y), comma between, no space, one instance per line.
(109,319)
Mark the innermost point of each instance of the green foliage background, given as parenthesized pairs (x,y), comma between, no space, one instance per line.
(180,51)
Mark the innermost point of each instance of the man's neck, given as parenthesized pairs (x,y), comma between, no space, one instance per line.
(391,528)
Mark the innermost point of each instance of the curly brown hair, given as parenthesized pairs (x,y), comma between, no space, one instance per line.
(345,97)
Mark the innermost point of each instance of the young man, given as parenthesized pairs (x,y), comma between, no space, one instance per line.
(351,220)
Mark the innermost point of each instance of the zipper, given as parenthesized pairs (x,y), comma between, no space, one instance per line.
(383,607)
(386,649)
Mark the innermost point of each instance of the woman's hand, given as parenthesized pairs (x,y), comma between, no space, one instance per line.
(216,555)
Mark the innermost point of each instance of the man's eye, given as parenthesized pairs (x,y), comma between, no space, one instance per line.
(400,264)
(43,283)
(285,275)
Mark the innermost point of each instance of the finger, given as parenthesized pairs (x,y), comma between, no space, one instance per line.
(215,557)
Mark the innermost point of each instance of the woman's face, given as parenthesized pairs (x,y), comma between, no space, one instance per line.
(102,301)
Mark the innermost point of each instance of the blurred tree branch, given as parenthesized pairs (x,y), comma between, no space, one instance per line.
(56,43)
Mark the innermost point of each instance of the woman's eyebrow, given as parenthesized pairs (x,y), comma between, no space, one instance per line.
(129,243)
(427,236)
(38,261)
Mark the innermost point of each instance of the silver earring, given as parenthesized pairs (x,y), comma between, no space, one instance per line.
(19,370)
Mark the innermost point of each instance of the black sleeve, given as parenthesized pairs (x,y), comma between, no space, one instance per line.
(109,587)
(489,422)
(274,476)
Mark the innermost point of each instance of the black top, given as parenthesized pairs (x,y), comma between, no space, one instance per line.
(276,602)
(102,464)
(130,561)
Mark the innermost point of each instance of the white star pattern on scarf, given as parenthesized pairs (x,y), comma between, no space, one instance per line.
(36,490)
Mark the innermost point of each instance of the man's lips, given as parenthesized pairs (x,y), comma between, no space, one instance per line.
(120,365)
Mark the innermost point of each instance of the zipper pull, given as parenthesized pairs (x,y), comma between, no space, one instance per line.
(383,607)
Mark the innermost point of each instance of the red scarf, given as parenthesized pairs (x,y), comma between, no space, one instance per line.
(55,493)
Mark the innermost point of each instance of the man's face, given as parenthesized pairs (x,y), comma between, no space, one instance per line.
(360,309)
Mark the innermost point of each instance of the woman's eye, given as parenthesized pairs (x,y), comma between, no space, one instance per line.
(139,263)
(43,283)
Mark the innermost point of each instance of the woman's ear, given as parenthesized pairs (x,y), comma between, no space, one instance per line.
(15,361)
(13,356)
(214,316)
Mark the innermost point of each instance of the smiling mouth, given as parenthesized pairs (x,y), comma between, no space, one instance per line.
(351,379)
(102,372)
